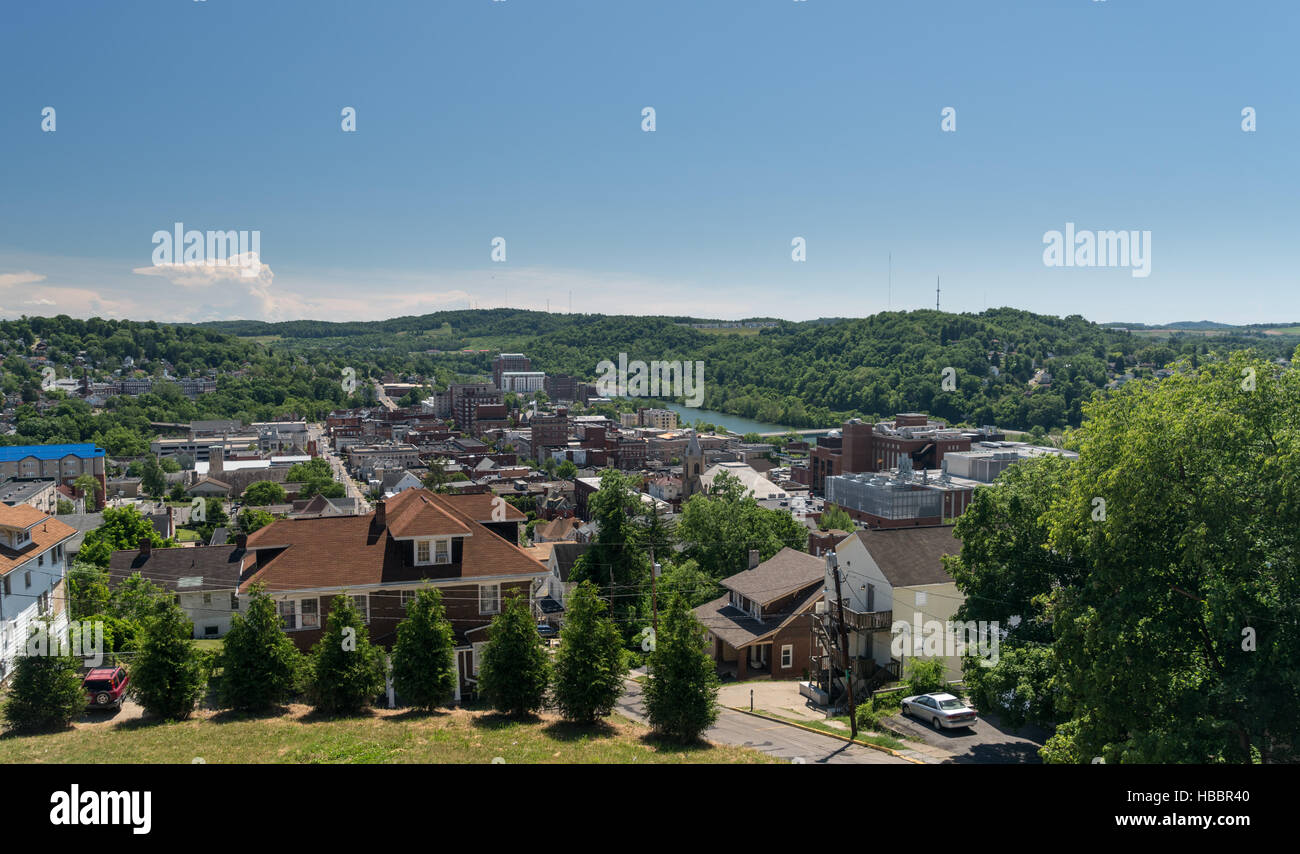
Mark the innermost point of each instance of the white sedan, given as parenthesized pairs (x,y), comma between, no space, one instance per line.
(939,710)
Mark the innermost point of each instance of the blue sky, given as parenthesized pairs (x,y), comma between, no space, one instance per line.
(775,119)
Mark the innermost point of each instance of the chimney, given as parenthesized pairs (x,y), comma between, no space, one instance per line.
(381,514)
(753,558)
(241,541)
(216,459)
(146,546)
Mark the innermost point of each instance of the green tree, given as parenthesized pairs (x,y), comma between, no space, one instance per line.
(566,470)
(167,676)
(515,671)
(89,487)
(719,529)
(259,662)
(262,493)
(87,590)
(925,675)
(45,693)
(424,664)
(123,528)
(252,519)
(347,671)
(617,560)
(834,517)
(153,481)
(681,696)
(591,662)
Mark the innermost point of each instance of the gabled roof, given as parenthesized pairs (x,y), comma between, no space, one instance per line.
(738,629)
(478,506)
(336,552)
(911,556)
(195,569)
(566,554)
(417,512)
(46,535)
(780,575)
(20,515)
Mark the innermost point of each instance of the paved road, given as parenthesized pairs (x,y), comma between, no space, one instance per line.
(350,487)
(988,742)
(775,739)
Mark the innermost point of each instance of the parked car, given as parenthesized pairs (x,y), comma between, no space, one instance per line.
(942,711)
(105,687)
(548,631)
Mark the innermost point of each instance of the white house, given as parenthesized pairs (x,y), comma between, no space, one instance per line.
(33,572)
(891,576)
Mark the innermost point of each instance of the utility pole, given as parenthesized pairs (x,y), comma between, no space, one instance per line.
(832,562)
(936,293)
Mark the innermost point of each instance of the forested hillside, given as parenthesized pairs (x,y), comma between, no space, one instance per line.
(803,374)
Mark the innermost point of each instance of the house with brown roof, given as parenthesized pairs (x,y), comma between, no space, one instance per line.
(204,579)
(762,625)
(418,539)
(33,571)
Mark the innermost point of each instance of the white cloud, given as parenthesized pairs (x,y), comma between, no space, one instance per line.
(25,278)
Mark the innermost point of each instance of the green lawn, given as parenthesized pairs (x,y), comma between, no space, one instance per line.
(185,535)
(456,736)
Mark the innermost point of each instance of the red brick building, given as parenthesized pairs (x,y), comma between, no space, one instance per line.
(762,626)
(462,545)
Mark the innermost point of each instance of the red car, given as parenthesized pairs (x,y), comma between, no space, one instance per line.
(105,687)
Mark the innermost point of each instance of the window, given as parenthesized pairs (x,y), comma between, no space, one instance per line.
(309,611)
(40,560)
(7,591)
(408,596)
(43,603)
(209,631)
(442,551)
(422,551)
(921,598)
(27,579)
(489,598)
(363,606)
(207,598)
(288,615)
(787,656)
(234,601)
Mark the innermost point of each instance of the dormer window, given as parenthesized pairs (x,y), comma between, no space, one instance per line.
(433,551)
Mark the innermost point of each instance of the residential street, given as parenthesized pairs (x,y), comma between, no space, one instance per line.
(786,742)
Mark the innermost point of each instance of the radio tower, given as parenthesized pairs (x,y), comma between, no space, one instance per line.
(936,293)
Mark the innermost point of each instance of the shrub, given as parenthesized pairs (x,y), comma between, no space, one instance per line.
(591,663)
(925,675)
(45,694)
(168,675)
(681,696)
(515,670)
(347,670)
(258,660)
(424,664)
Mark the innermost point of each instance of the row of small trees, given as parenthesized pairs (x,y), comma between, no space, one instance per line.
(344,673)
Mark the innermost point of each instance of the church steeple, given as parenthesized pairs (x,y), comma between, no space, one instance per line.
(692,468)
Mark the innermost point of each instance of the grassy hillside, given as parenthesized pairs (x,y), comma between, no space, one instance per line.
(457,736)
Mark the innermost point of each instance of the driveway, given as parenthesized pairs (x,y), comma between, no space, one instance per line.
(988,742)
(774,739)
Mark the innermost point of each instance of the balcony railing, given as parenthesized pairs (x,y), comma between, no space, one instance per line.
(864,621)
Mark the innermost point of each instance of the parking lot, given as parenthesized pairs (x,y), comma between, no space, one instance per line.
(987,742)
